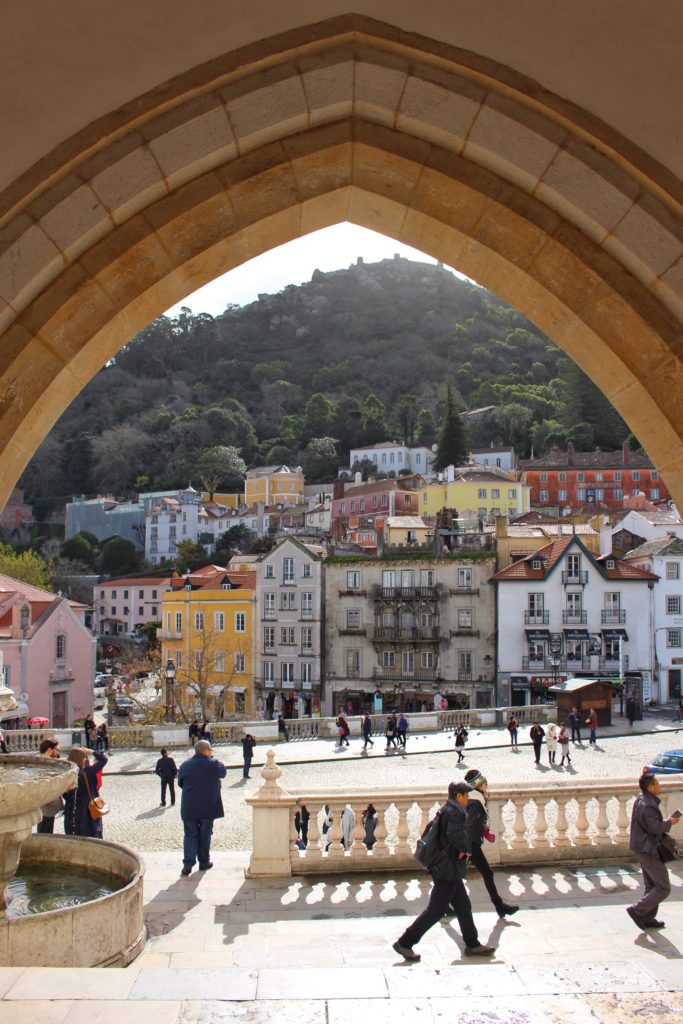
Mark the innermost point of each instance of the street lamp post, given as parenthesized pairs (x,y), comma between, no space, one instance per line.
(555,664)
(169,672)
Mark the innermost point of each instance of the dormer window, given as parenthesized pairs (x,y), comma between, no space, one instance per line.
(25,618)
(537,564)
(609,564)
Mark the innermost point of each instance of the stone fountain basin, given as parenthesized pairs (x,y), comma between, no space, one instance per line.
(106,932)
(27,783)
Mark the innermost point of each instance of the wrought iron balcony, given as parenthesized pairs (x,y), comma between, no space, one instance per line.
(404,634)
(405,593)
(616,615)
(420,675)
(575,578)
(536,618)
(574,618)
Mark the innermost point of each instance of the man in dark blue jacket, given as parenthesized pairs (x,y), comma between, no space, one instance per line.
(448,873)
(200,781)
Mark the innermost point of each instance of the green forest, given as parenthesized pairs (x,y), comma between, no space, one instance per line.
(352,357)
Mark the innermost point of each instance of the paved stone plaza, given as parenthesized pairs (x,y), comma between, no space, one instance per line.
(137,820)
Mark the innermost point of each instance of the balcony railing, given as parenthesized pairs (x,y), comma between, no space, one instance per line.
(610,666)
(405,593)
(536,618)
(169,634)
(613,615)
(420,675)
(564,664)
(575,578)
(405,633)
(574,618)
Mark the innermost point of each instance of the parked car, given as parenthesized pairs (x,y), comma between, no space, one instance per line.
(123,705)
(670,762)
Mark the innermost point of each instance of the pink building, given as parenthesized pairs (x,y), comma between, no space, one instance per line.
(48,654)
(360,512)
(120,606)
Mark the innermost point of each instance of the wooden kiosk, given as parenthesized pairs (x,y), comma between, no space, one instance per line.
(584,694)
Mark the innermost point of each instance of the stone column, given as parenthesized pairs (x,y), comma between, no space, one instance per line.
(271,812)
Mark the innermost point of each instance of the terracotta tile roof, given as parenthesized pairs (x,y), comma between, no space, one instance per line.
(549,555)
(671,546)
(135,581)
(570,459)
(623,570)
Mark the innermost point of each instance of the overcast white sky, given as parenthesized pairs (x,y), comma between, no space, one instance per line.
(330,249)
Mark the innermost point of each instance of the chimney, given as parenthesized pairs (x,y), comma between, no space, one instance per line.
(570,454)
(357,479)
(625,452)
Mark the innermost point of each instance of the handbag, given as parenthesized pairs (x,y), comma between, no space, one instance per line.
(98,807)
(667,847)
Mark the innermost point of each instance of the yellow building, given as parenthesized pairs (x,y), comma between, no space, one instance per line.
(208,630)
(274,485)
(476,493)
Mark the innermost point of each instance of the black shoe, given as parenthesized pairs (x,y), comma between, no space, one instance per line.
(162,804)
(186,871)
(479,950)
(507,909)
(635,917)
(406,952)
(207,866)
(655,924)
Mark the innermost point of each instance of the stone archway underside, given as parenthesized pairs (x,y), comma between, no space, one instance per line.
(349,120)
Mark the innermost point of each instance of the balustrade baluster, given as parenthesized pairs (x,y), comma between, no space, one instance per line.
(519,840)
(582,838)
(293,835)
(380,849)
(540,825)
(561,838)
(623,820)
(336,848)
(603,838)
(402,848)
(314,848)
(358,847)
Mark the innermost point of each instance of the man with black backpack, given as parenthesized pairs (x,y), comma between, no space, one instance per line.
(445,853)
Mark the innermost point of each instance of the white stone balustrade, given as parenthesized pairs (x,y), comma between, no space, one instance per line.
(561,822)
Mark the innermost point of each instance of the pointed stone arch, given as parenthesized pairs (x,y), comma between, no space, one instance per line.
(347,120)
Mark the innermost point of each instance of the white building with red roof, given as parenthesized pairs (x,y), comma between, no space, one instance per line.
(563,611)
(48,654)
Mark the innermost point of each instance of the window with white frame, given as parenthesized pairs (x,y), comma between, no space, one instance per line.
(353,579)
(306,672)
(219,661)
(673,570)
(288,570)
(407,663)
(60,646)
(178,622)
(307,571)
(287,672)
(239,662)
(198,621)
(240,622)
(635,475)
(465,664)
(481,492)
(306,638)
(427,577)
(269,603)
(673,604)
(464,618)
(512,493)
(580,494)
(495,492)
(464,578)
(219,621)
(426,620)
(654,493)
(268,671)
(543,496)
(426,659)
(561,495)
(353,618)
(269,637)
(536,606)
(288,600)
(270,571)
(673,638)
(287,635)
(388,659)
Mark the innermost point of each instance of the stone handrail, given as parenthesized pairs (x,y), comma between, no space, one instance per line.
(559,822)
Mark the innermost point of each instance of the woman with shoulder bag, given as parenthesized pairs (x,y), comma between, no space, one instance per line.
(89,807)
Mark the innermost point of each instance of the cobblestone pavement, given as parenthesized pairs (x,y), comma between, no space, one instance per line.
(137,820)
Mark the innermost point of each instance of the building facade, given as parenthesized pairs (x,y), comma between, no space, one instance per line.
(409,633)
(589,481)
(501,457)
(564,612)
(289,648)
(208,623)
(664,558)
(391,457)
(359,514)
(48,654)
(121,606)
(483,492)
(273,485)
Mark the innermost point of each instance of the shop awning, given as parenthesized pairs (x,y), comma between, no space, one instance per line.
(215,690)
(236,689)
(615,634)
(537,635)
(576,634)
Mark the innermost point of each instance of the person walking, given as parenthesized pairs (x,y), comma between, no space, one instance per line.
(343,730)
(448,873)
(402,730)
(301,819)
(166,770)
(563,741)
(102,741)
(551,743)
(282,727)
(461,735)
(592,723)
(90,731)
(648,827)
(87,789)
(193,732)
(367,731)
(631,710)
(348,823)
(392,728)
(513,729)
(205,732)
(536,734)
(248,745)
(575,724)
(49,748)
(369,823)
(478,829)
(199,779)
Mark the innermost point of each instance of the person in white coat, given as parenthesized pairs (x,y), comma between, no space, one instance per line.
(348,823)
(551,743)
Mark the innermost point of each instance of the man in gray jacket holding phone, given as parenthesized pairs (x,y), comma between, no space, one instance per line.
(648,826)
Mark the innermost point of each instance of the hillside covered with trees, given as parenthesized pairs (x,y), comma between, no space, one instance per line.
(353,357)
